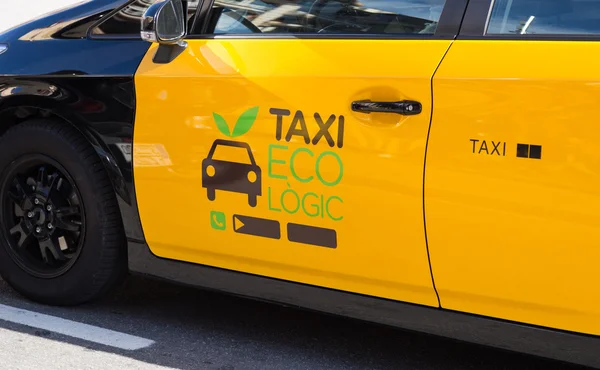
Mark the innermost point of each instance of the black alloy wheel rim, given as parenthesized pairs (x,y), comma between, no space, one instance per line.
(42,216)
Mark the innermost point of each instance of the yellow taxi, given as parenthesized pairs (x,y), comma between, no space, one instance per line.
(425,164)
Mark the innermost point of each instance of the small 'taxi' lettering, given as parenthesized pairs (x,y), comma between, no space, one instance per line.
(489,147)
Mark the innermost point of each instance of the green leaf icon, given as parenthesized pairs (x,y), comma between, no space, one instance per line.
(221,124)
(245,122)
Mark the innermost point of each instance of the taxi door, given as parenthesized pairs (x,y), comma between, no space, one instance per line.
(512,188)
(288,140)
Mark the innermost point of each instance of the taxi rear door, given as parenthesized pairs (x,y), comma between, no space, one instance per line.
(288,140)
(512,177)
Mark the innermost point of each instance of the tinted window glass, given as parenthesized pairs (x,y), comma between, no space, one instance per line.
(127,20)
(325,16)
(548,17)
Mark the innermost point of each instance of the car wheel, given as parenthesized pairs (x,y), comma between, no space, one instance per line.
(62,239)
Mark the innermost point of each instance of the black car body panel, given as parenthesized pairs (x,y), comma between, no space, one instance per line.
(51,68)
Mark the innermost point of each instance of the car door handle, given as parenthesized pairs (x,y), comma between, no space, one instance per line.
(405,107)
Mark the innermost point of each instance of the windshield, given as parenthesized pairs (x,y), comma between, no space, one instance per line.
(230,153)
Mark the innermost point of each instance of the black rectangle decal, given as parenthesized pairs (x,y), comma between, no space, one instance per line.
(312,235)
(522,150)
(535,151)
(256,226)
(529,151)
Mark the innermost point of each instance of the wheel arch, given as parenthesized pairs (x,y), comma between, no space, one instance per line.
(12,115)
(99,120)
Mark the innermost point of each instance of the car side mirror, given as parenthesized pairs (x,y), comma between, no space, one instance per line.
(164,22)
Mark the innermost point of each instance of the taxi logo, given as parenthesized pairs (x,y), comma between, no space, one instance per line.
(315,159)
(216,174)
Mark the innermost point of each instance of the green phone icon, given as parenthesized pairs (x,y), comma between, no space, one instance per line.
(217,220)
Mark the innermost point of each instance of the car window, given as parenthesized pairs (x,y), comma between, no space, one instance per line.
(545,17)
(232,153)
(325,16)
(127,21)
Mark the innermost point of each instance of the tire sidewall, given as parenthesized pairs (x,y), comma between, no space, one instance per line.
(37,140)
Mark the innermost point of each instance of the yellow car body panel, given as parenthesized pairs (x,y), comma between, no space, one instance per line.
(358,178)
(516,237)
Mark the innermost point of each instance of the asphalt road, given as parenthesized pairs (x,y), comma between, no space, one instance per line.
(193,329)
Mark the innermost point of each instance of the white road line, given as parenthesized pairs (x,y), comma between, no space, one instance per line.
(73,329)
(20,351)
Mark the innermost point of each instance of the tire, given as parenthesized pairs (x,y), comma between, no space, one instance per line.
(101,260)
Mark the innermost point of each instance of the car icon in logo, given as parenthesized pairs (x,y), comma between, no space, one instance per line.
(216,174)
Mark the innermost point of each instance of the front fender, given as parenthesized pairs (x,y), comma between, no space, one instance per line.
(101,108)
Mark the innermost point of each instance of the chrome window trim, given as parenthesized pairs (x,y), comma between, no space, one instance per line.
(489,17)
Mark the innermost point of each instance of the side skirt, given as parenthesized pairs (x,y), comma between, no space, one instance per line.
(558,345)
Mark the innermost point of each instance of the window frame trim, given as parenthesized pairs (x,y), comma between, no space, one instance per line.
(108,16)
(478,16)
(448,28)
(125,36)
